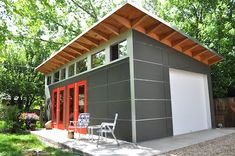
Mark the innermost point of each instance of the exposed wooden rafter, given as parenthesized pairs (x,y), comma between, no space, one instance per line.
(58,60)
(91,40)
(188,48)
(64,55)
(122,20)
(74,50)
(179,42)
(69,55)
(214,60)
(153,28)
(209,57)
(111,28)
(167,35)
(45,69)
(138,21)
(50,67)
(100,34)
(53,64)
(83,45)
(62,58)
(198,53)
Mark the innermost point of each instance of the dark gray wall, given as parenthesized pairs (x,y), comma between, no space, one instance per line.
(108,92)
(152,61)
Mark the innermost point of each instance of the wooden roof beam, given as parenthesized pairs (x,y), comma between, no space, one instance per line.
(138,21)
(214,60)
(189,48)
(83,45)
(101,34)
(74,50)
(45,69)
(92,40)
(64,55)
(167,35)
(111,28)
(207,58)
(198,53)
(179,42)
(62,58)
(50,67)
(54,64)
(122,20)
(57,60)
(69,55)
(153,28)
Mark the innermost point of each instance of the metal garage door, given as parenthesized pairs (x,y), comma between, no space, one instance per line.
(190,101)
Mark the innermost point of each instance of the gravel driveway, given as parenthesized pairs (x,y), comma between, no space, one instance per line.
(222,146)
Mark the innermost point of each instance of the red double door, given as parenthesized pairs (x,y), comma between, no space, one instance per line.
(67,105)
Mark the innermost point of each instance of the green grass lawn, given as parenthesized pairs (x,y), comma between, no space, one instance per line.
(18,144)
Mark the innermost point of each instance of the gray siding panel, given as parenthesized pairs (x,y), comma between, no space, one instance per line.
(152,61)
(108,92)
(148,71)
(149,90)
(147,130)
(97,94)
(148,53)
(148,109)
(119,91)
(120,107)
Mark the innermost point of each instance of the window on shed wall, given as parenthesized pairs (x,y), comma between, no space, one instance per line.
(118,50)
(71,70)
(62,74)
(56,76)
(98,59)
(48,80)
(81,66)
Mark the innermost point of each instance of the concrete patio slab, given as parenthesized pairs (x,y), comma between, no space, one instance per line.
(180,141)
(109,147)
(88,147)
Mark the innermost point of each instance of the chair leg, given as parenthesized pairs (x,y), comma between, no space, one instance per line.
(115,138)
(105,134)
(98,139)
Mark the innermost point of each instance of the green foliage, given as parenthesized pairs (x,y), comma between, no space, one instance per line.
(10,121)
(212,22)
(19,145)
(30,31)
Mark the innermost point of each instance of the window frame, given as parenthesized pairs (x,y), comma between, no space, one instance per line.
(104,61)
(73,64)
(116,44)
(55,77)
(85,58)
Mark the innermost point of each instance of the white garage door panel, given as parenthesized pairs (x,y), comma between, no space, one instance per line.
(190,101)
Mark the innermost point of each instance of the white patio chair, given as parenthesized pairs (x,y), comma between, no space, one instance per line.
(107,127)
(83,122)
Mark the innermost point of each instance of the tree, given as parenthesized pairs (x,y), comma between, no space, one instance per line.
(212,22)
(30,31)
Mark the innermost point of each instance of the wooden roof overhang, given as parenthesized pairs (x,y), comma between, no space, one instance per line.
(123,18)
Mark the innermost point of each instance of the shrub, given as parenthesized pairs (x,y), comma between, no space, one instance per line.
(10,117)
(29,119)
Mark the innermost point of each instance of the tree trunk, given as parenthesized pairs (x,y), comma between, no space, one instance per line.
(20,102)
